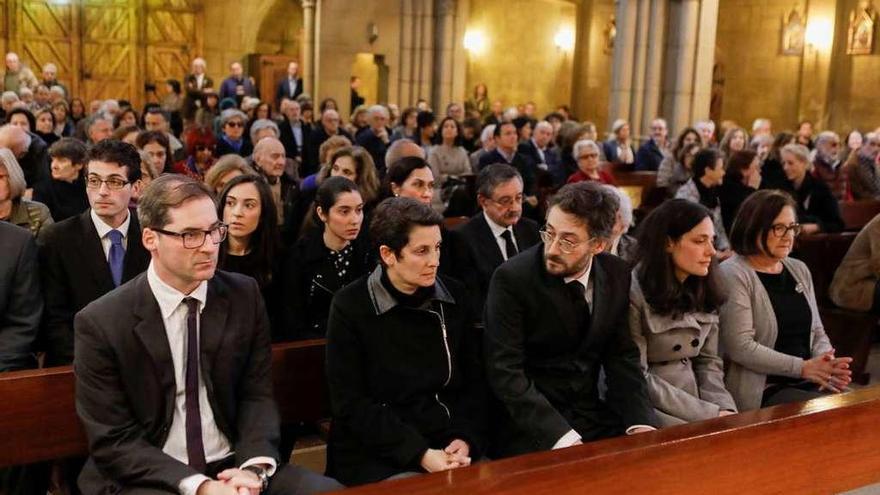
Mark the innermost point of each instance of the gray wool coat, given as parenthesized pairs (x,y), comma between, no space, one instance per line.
(749,331)
(680,360)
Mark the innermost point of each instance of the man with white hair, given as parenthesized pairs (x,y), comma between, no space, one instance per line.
(50,78)
(375,139)
(195,84)
(487,142)
(762,127)
(293,130)
(271,162)
(621,243)
(17,74)
(7,102)
(539,148)
(98,128)
(30,151)
(652,151)
(864,175)
(56,94)
(827,164)
(327,126)
(706,128)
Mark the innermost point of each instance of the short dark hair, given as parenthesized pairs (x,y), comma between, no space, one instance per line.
(655,268)
(119,152)
(330,189)
(458,132)
(592,203)
(265,239)
(754,220)
(739,162)
(32,121)
(706,158)
(394,219)
(492,176)
(70,148)
(160,138)
(497,131)
(165,193)
(156,110)
(424,119)
(399,171)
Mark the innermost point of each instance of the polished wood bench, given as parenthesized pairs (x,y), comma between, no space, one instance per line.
(826,445)
(38,420)
(857,214)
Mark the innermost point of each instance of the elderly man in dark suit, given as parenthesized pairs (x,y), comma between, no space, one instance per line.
(88,255)
(290,87)
(294,131)
(494,235)
(652,152)
(173,382)
(20,302)
(555,315)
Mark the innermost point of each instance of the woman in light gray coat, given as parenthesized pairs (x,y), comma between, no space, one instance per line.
(770,326)
(674,297)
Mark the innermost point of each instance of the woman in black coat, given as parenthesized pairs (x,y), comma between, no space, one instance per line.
(818,210)
(325,259)
(65,194)
(741,179)
(407,388)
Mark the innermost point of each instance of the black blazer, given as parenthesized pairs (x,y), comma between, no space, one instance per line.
(125,382)
(526,167)
(545,372)
(20,302)
(649,156)
(817,204)
(74,273)
(291,148)
(282,90)
(478,254)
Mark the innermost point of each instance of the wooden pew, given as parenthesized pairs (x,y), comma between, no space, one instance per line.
(827,445)
(38,420)
(856,214)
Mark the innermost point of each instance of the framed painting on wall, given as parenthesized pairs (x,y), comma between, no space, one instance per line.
(860,35)
(793,30)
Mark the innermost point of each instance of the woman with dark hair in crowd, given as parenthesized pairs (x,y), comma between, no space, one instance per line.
(252,243)
(157,146)
(45,126)
(324,260)
(817,208)
(64,127)
(77,110)
(126,117)
(674,299)
(408,125)
(523,129)
(209,111)
(674,172)
(478,106)
(742,178)
(735,139)
(703,187)
(356,165)
(448,159)
(65,194)
(407,390)
(426,130)
(771,331)
(327,103)
(772,175)
(200,144)
(23,118)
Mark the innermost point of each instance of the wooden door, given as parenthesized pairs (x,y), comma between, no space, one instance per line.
(109,51)
(46,31)
(174,33)
(268,70)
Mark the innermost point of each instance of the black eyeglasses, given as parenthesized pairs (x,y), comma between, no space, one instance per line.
(781,230)
(194,239)
(235,124)
(113,183)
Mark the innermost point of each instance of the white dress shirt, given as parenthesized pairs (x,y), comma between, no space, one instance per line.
(104,229)
(200,81)
(217,446)
(572,436)
(497,230)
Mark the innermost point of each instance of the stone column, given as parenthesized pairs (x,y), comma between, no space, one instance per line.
(640,58)
(444,44)
(622,67)
(308,50)
(407,40)
(681,53)
(653,66)
(705,60)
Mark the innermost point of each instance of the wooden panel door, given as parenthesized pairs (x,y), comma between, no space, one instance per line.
(173,38)
(46,31)
(4,26)
(268,70)
(109,51)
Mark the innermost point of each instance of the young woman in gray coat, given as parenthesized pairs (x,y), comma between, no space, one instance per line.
(770,326)
(674,298)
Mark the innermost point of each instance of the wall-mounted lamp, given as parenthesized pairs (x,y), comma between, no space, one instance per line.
(819,34)
(475,41)
(564,39)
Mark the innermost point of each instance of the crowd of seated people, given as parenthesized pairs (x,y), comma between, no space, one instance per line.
(547,318)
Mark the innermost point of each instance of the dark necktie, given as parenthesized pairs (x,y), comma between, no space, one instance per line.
(116,257)
(577,291)
(195,448)
(509,246)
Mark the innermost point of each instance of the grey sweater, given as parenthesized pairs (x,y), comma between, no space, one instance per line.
(748,331)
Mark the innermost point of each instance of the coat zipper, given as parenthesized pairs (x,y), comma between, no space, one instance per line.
(448,357)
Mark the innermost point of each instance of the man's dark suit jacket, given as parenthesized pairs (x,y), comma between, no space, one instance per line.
(75,272)
(526,167)
(375,147)
(35,162)
(291,149)
(21,304)
(545,371)
(125,385)
(649,156)
(478,254)
(282,90)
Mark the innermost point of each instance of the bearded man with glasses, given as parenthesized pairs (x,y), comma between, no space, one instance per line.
(173,382)
(555,315)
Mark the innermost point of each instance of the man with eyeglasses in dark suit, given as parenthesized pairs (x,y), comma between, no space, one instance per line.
(555,315)
(87,256)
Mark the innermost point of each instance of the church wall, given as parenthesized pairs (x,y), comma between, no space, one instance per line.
(853,103)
